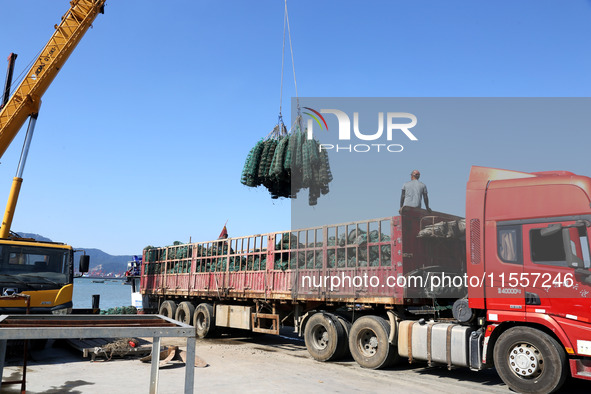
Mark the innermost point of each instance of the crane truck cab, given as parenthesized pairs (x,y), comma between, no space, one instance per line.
(37,277)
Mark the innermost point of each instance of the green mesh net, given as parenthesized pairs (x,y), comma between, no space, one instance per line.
(286,163)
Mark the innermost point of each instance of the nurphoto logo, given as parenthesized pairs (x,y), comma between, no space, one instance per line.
(395,127)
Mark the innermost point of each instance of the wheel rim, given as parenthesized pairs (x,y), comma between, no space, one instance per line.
(200,321)
(320,337)
(526,361)
(368,343)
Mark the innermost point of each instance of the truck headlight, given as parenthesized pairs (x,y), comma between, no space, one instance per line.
(63,311)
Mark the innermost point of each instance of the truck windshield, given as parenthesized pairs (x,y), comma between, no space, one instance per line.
(549,249)
(36,264)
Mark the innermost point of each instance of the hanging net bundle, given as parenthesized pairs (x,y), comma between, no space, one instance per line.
(287,162)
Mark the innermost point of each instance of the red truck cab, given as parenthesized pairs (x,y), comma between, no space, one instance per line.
(529,270)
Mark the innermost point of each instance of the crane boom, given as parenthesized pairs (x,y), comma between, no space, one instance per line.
(27,97)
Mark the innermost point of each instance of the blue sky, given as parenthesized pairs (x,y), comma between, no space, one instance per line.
(142,136)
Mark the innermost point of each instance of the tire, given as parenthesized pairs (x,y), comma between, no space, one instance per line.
(184,313)
(368,343)
(347,327)
(325,337)
(519,348)
(168,309)
(203,320)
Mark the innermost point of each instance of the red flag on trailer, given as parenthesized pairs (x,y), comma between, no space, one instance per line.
(224,233)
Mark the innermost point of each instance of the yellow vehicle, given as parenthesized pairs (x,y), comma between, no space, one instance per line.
(38,276)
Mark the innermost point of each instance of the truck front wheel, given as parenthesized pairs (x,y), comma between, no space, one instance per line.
(530,361)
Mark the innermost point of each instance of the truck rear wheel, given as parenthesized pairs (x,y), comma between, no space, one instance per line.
(530,361)
(347,328)
(325,337)
(368,342)
(184,313)
(203,321)
(168,309)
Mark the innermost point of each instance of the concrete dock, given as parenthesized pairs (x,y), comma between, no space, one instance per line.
(259,364)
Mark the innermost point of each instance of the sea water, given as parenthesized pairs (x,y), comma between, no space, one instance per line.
(113,293)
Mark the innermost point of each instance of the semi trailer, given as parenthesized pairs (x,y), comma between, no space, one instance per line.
(508,286)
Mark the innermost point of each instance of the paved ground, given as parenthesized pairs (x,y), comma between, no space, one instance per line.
(248,365)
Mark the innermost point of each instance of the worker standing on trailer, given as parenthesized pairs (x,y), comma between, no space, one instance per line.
(413,191)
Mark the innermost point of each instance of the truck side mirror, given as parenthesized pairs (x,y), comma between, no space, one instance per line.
(571,256)
(583,275)
(84,263)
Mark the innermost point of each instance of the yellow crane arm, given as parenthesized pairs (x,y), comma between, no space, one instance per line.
(27,97)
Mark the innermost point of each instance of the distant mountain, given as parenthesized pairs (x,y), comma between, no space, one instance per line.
(101,263)
(35,237)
